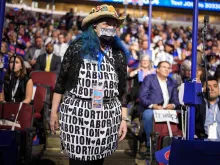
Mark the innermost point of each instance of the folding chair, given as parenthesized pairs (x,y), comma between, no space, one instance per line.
(48,80)
(23,135)
(160,137)
(41,103)
(40,99)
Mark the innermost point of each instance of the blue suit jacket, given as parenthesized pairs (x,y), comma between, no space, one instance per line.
(151,92)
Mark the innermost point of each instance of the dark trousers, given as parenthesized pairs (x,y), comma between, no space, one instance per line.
(92,162)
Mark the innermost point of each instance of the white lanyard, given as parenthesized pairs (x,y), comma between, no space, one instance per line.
(15,90)
(215,112)
(16,118)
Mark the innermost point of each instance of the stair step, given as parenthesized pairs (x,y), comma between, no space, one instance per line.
(53,143)
(117,158)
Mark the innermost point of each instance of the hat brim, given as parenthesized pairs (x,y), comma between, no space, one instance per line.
(88,20)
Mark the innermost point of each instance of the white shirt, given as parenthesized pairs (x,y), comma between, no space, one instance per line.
(163,86)
(60,49)
(36,54)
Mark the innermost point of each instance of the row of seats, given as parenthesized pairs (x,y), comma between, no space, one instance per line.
(31,116)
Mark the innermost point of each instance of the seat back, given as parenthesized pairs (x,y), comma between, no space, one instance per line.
(25,117)
(162,129)
(1,111)
(41,96)
(175,68)
(44,78)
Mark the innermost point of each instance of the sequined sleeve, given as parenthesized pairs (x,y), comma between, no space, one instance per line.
(65,67)
(123,80)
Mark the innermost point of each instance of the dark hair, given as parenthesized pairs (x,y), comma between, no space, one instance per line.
(209,78)
(212,78)
(23,70)
(217,72)
(61,34)
(38,37)
(123,36)
(161,62)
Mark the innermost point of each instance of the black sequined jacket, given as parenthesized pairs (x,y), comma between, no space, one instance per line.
(72,62)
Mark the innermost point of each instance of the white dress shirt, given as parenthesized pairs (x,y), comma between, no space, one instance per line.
(163,86)
(60,49)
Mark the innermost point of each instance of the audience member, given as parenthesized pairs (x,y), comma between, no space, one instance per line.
(33,52)
(157,92)
(145,68)
(207,113)
(23,85)
(61,47)
(48,62)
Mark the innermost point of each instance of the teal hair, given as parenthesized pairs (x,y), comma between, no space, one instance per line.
(91,44)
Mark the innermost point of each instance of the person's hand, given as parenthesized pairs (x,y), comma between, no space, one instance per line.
(33,62)
(122,130)
(54,123)
(28,44)
(169,106)
(19,41)
(157,107)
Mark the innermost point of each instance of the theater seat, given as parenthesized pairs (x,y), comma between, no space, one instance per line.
(23,135)
(175,68)
(40,98)
(25,117)
(44,78)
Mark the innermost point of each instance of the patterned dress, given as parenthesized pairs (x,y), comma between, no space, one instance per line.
(88,134)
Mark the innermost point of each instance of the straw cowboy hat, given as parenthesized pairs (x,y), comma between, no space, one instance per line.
(103,11)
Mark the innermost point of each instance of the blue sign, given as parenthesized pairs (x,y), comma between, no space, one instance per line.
(214,6)
(162,156)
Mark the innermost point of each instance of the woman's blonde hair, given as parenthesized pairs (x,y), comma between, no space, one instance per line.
(150,62)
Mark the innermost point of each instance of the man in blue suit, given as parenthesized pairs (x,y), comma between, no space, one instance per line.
(157,92)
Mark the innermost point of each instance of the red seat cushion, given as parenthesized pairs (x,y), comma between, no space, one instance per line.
(37,115)
(25,116)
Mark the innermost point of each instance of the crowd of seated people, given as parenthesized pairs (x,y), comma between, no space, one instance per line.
(41,47)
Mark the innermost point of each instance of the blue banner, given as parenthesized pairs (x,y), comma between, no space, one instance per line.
(162,156)
(214,6)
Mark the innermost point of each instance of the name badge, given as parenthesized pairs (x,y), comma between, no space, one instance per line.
(212,133)
(97,96)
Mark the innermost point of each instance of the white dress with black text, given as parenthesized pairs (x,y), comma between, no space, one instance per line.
(88,134)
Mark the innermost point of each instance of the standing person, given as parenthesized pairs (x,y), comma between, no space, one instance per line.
(93,113)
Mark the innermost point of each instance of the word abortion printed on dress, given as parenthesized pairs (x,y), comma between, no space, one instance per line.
(87,124)
(89,134)
(76,111)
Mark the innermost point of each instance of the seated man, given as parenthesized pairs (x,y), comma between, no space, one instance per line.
(185,73)
(206,117)
(48,62)
(33,52)
(157,92)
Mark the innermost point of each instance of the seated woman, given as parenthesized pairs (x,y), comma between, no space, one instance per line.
(23,85)
(145,68)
